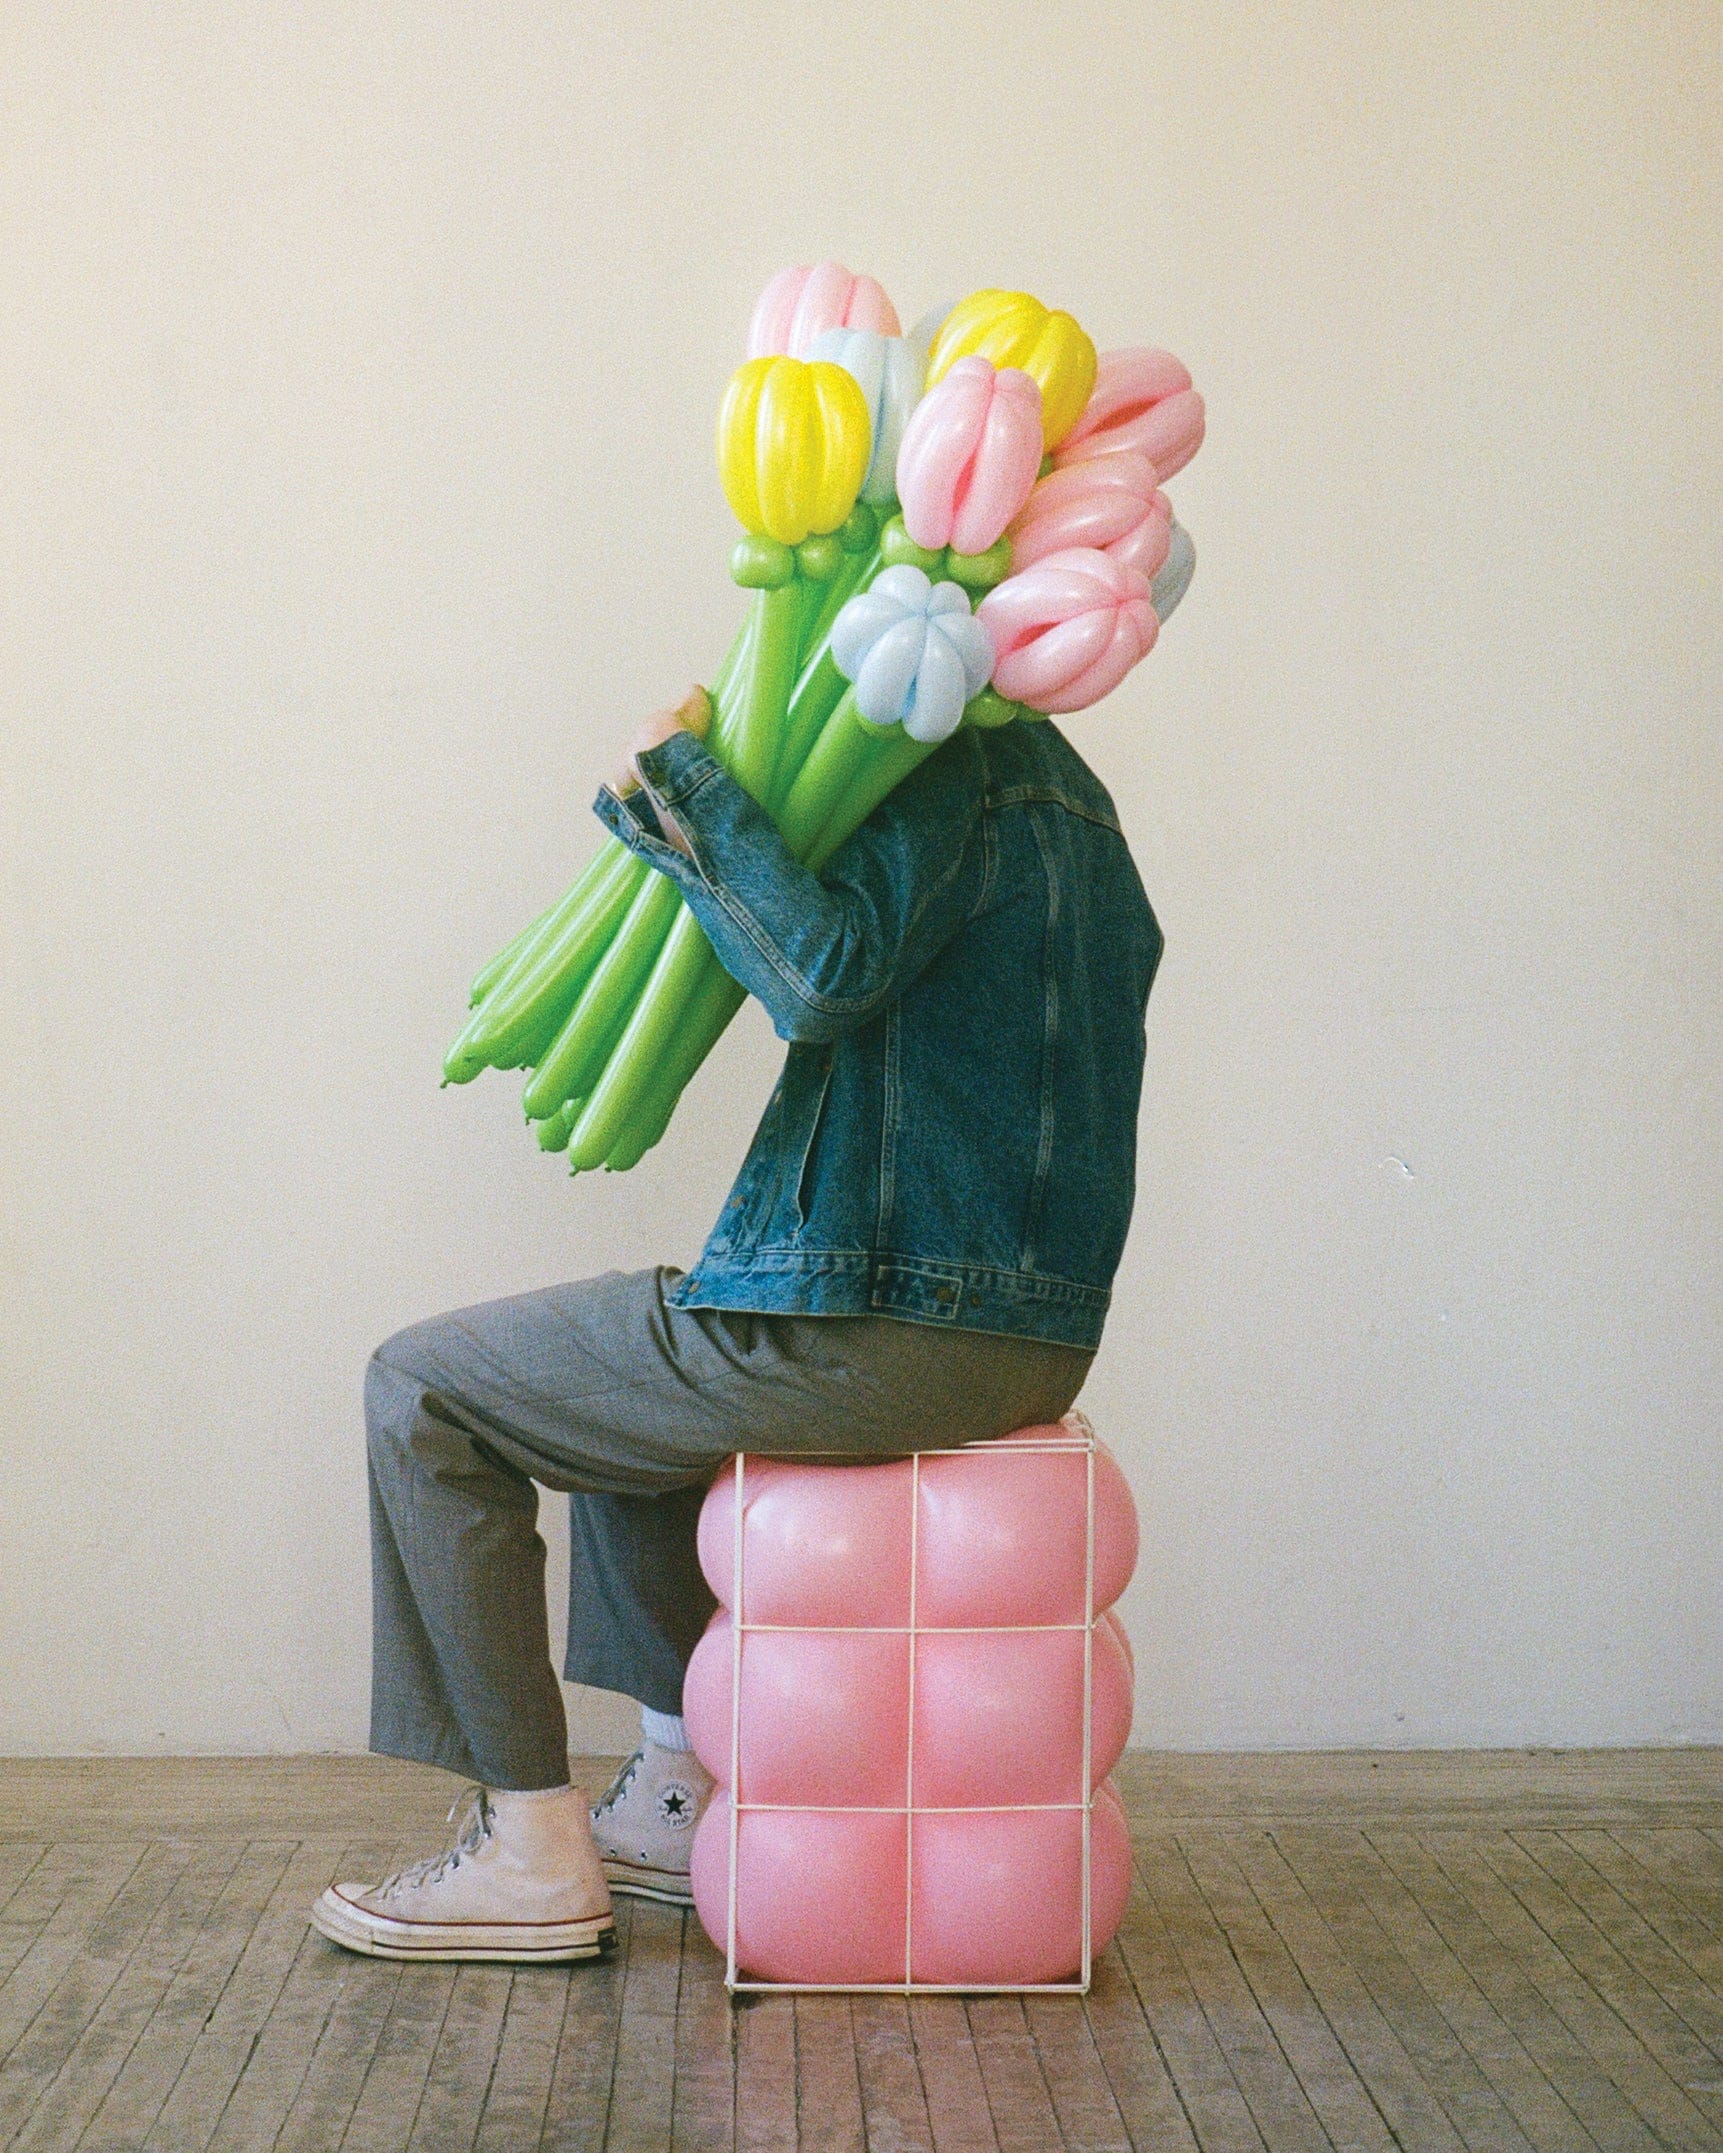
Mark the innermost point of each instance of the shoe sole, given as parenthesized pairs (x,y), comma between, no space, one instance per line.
(552,1943)
(670,1887)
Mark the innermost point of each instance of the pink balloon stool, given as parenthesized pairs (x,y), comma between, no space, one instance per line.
(910,1697)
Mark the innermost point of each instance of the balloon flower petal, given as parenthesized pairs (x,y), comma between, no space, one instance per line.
(914,651)
(1142,401)
(1174,579)
(1110,503)
(969,456)
(889,373)
(800,305)
(792,446)
(1014,330)
(1068,629)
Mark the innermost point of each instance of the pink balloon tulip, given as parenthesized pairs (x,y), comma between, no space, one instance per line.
(1069,629)
(999,1716)
(969,456)
(973,1877)
(1109,502)
(1142,400)
(800,305)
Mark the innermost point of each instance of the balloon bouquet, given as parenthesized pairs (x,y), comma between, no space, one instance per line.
(964,526)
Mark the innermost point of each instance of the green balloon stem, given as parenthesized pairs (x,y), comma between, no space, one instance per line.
(577,1054)
(642,1045)
(489,974)
(711,1004)
(519,1016)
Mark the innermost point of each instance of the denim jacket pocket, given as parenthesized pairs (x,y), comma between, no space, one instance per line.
(804,1166)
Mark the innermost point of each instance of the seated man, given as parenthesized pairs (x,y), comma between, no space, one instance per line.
(918,1252)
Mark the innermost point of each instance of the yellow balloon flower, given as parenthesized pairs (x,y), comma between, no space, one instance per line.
(1012,329)
(794,438)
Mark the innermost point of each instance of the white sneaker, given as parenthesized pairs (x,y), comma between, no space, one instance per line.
(644,1825)
(522,1881)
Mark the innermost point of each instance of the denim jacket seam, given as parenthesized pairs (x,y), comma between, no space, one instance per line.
(703,767)
(779,1256)
(1049,1036)
(828,1005)
(1050,795)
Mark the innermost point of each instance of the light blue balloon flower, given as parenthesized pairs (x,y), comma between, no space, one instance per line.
(891,375)
(1173,578)
(915,652)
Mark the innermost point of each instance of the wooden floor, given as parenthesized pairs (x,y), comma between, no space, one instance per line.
(1436,1952)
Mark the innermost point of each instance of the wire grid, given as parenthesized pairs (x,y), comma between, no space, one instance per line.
(1080,1439)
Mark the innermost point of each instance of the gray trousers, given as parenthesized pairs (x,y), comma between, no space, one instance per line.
(604,1390)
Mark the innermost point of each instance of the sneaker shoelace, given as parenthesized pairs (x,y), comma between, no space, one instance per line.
(475,1814)
(620,1785)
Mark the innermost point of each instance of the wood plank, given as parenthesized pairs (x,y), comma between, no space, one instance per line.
(894,2100)
(704,2116)
(98,1798)
(17,1861)
(1208,2093)
(950,2072)
(643,2085)
(1406,2102)
(1131,2057)
(125,1990)
(150,2072)
(1609,1973)
(271,2017)
(1341,2101)
(64,1799)
(766,2074)
(1529,2094)
(1614,1909)
(67,2008)
(1018,2098)
(828,2083)
(519,2091)
(387,2110)
(1586,2088)
(1260,2066)
(579,2102)
(70,1891)
(1319,1858)
(1666,1857)
(226,2041)
(1442,1787)
(323,2102)
(466,2051)
(1639,2075)
(1082,2097)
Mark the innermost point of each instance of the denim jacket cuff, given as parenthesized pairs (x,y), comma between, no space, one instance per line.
(631,817)
(677,768)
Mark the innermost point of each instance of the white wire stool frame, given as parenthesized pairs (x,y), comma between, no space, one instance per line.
(1077,1438)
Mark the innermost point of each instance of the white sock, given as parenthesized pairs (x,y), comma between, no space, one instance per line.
(668,1729)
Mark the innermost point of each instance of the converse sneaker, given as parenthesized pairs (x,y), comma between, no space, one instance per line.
(522,1881)
(644,1826)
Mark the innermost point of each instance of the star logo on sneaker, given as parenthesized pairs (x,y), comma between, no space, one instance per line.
(677,1803)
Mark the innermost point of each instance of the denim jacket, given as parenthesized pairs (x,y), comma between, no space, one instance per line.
(953,1138)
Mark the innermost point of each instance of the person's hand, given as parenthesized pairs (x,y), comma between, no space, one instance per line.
(693,714)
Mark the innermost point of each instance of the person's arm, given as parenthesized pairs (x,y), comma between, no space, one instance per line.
(823,952)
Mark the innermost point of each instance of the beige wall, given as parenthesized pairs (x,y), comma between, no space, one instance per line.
(359,370)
